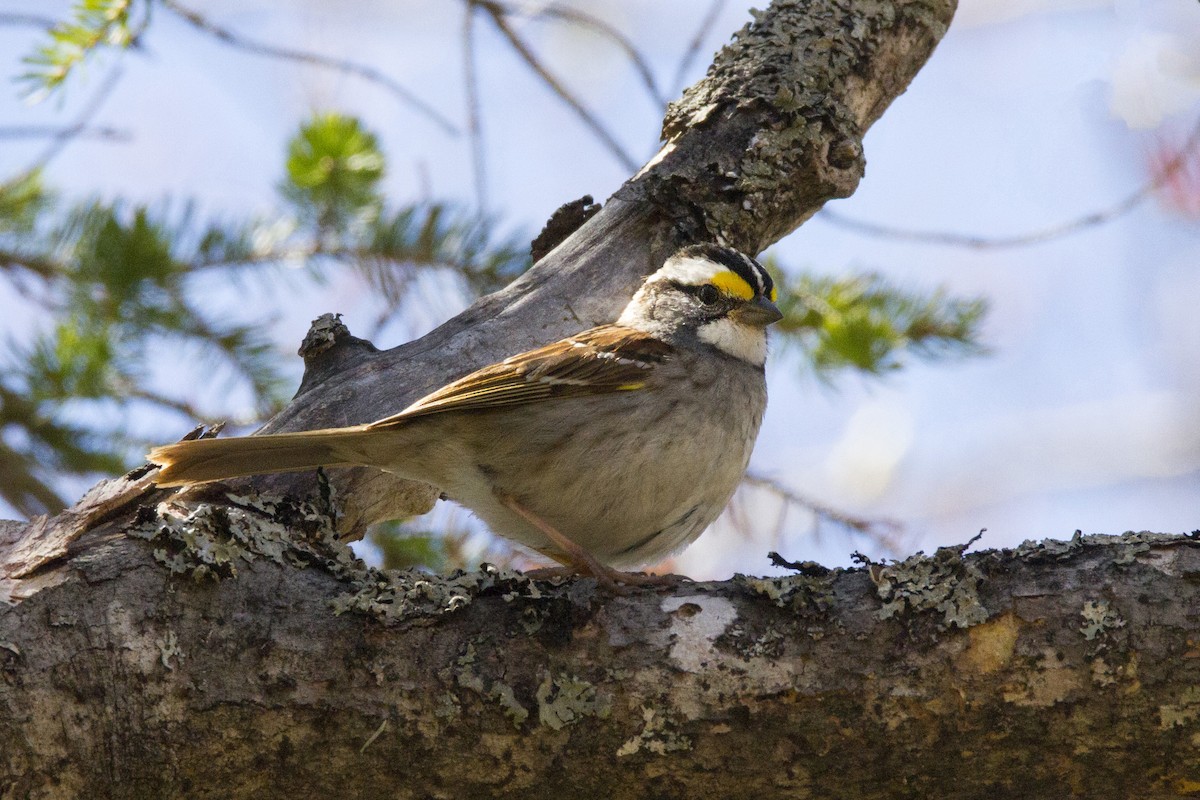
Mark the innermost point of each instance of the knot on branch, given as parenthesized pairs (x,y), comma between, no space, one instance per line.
(328,348)
(567,218)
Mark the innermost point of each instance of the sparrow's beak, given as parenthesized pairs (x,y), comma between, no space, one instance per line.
(760,311)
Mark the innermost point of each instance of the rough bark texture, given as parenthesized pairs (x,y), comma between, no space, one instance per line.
(156,644)
(1061,669)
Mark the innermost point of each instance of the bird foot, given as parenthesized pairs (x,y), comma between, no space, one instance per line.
(580,562)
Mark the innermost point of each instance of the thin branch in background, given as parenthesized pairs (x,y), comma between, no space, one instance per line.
(1164,174)
(364,71)
(474,119)
(693,49)
(82,122)
(74,131)
(887,533)
(181,407)
(590,120)
(640,63)
(41,266)
(31,20)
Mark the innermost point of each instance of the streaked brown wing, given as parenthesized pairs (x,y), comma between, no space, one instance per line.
(597,361)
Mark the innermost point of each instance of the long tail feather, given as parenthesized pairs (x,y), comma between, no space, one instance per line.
(204,460)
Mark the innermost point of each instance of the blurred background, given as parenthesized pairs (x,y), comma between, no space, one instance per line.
(1000,329)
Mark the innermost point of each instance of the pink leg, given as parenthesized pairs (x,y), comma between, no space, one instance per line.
(580,560)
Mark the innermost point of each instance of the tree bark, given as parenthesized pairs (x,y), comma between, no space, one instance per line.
(1061,669)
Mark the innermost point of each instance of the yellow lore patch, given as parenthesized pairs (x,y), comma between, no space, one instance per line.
(733,284)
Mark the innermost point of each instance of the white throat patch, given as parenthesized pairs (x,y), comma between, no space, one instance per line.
(747,342)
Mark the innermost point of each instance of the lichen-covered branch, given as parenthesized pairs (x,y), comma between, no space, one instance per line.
(231,656)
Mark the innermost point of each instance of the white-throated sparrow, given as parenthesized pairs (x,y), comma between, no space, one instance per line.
(610,448)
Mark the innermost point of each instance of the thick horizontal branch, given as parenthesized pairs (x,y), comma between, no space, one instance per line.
(204,664)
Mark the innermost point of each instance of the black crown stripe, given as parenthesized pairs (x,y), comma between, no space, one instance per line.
(743,265)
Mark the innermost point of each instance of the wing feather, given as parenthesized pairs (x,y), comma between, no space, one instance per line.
(597,361)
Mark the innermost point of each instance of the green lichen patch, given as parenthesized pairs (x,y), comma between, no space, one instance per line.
(564,700)
(802,594)
(468,677)
(658,736)
(1184,712)
(1099,618)
(1126,547)
(944,583)
(210,541)
(769,643)
(395,596)
(168,648)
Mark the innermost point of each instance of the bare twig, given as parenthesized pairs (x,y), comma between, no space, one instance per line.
(181,407)
(38,265)
(1026,239)
(585,20)
(31,20)
(82,122)
(884,532)
(474,119)
(693,49)
(73,131)
(364,71)
(497,13)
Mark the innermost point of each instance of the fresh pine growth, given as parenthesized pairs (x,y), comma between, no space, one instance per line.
(334,166)
(867,323)
(93,24)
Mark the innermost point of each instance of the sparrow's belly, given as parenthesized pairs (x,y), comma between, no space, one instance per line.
(630,497)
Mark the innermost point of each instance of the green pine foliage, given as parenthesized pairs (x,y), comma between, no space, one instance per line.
(867,323)
(334,167)
(92,26)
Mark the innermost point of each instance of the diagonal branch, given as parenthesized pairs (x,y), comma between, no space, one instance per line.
(474,118)
(590,120)
(364,71)
(640,63)
(885,532)
(102,132)
(82,121)
(693,48)
(30,20)
(753,151)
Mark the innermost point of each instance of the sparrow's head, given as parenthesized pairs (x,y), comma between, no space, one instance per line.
(723,297)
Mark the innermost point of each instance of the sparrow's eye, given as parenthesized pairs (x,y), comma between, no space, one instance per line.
(708,294)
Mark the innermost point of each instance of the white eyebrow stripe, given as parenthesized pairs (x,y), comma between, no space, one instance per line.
(756,271)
